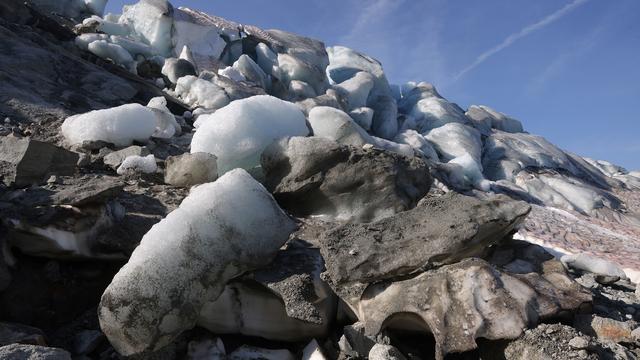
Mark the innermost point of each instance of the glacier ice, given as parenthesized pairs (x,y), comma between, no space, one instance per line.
(152,20)
(487,118)
(356,89)
(299,90)
(418,142)
(453,140)
(363,116)
(221,230)
(200,35)
(166,124)
(138,164)
(231,73)
(117,53)
(200,92)
(251,71)
(429,109)
(120,126)
(336,125)
(174,69)
(238,133)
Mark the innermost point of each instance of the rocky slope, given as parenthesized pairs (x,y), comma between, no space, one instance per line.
(179,186)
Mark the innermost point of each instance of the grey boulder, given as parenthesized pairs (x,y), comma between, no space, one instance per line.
(440,230)
(24,161)
(318,177)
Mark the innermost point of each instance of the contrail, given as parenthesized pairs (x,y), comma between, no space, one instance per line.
(522,33)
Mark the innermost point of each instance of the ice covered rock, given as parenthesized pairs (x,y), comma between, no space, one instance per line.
(174,69)
(138,164)
(438,231)
(166,124)
(469,300)
(200,92)
(286,301)
(331,99)
(340,182)
(187,170)
(71,8)
(33,352)
(238,133)
(116,158)
(152,20)
(335,124)
(485,118)
(344,64)
(221,230)
(593,264)
(606,167)
(251,71)
(429,109)
(356,89)
(120,125)
(24,161)
(418,142)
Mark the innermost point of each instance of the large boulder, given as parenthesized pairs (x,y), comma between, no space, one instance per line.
(24,161)
(440,230)
(318,177)
(221,230)
(469,300)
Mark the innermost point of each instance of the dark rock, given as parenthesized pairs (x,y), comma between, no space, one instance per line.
(31,161)
(318,177)
(86,341)
(114,159)
(32,352)
(11,333)
(174,69)
(438,231)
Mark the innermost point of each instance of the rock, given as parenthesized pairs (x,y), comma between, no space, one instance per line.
(385,352)
(187,170)
(635,334)
(179,266)
(135,164)
(114,159)
(25,161)
(357,340)
(206,350)
(593,264)
(32,352)
(606,279)
(342,183)
(11,333)
(604,328)
(174,69)
(440,230)
(285,301)
(579,343)
(313,351)
(86,341)
(246,352)
(535,344)
(638,291)
(444,302)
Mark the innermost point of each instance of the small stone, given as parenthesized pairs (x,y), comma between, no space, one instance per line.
(7,120)
(114,159)
(604,328)
(606,279)
(635,334)
(83,160)
(550,331)
(385,352)
(579,342)
(353,252)
(583,354)
(52,179)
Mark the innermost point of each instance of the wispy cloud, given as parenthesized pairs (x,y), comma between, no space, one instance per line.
(371,15)
(511,39)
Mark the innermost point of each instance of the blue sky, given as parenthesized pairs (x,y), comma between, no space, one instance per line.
(569,70)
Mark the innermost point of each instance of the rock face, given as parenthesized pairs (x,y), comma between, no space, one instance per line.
(340,182)
(468,300)
(187,258)
(438,231)
(25,161)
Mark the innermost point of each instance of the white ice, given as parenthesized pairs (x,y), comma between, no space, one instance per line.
(238,133)
(138,164)
(200,92)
